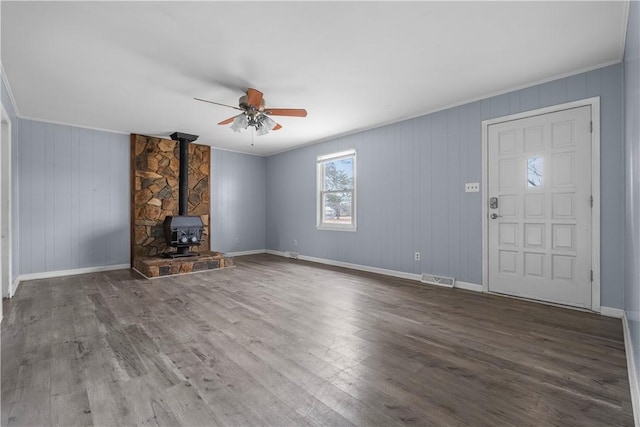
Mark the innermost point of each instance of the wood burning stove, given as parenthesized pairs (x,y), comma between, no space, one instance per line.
(183,231)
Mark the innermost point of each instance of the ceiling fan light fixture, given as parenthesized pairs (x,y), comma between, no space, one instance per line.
(240,123)
(269,123)
(261,130)
(264,125)
(254,113)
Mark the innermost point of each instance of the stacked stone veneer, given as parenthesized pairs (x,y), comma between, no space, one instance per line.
(157,267)
(155,170)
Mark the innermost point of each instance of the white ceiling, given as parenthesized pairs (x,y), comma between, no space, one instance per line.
(134,67)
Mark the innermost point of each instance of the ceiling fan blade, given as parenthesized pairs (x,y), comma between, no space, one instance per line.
(226,122)
(277,126)
(254,97)
(296,112)
(217,103)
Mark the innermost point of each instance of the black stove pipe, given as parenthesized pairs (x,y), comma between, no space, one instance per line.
(183,181)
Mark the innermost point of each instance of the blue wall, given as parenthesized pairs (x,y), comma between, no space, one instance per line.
(410,191)
(238,202)
(411,179)
(71,197)
(632,155)
(74,208)
(73,187)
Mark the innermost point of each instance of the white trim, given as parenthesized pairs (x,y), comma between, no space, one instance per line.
(5,80)
(230,150)
(623,28)
(277,253)
(618,313)
(336,156)
(9,175)
(14,286)
(55,122)
(377,270)
(595,211)
(468,286)
(243,253)
(453,105)
(337,227)
(368,269)
(320,161)
(546,110)
(74,272)
(485,206)
(594,103)
(631,370)
(354,131)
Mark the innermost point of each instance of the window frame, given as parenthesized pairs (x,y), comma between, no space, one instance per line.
(320,192)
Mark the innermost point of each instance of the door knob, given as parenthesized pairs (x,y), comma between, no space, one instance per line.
(495,215)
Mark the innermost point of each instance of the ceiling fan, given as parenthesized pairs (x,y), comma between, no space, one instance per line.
(255,113)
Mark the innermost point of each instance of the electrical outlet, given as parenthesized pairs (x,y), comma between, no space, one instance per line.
(416,256)
(295,242)
(472,187)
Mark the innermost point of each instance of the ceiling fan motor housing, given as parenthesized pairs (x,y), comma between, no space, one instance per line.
(246,106)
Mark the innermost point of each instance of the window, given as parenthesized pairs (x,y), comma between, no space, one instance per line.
(337,191)
(534,172)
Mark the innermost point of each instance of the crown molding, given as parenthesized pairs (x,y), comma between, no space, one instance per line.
(5,80)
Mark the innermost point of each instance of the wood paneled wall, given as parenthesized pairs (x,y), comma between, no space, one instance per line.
(238,208)
(411,178)
(73,197)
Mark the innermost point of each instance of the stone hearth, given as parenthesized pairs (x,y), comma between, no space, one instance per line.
(151,267)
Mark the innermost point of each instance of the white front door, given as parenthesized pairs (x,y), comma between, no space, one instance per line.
(539,199)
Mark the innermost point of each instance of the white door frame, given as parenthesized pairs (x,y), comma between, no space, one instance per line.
(595,188)
(5,182)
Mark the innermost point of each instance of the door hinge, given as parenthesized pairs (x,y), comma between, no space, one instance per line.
(592,275)
(591,200)
(591,126)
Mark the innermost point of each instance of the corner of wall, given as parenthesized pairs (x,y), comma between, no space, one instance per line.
(7,88)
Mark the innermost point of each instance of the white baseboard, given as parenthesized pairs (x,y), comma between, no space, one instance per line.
(618,313)
(368,269)
(14,287)
(631,369)
(242,253)
(272,252)
(383,271)
(468,286)
(60,273)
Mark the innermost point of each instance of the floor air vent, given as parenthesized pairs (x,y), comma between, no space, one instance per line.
(447,282)
(292,255)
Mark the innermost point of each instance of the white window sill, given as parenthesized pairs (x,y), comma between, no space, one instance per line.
(336,228)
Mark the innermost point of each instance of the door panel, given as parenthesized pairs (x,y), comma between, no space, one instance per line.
(540,232)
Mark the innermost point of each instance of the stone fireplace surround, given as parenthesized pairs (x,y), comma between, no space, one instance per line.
(155,167)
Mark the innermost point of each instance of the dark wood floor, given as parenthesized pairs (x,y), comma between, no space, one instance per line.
(289,343)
